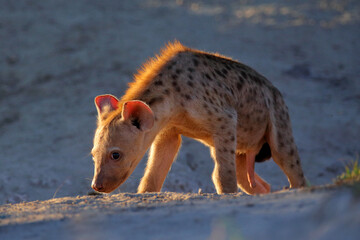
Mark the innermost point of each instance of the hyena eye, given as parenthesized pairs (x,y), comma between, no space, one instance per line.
(115,155)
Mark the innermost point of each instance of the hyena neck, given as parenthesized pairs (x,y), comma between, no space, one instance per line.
(162,113)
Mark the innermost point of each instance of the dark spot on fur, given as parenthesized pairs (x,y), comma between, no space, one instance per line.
(158,83)
(174,76)
(224,71)
(147,91)
(207,93)
(232,138)
(177,89)
(239,86)
(204,63)
(219,119)
(232,91)
(241,80)
(258,80)
(292,165)
(205,105)
(182,104)
(223,127)
(243,74)
(208,77)
(219,73)
(232,152)
(170,65)
(230,171)
(224,149)
(196,62)
(166,91)
(187,97)
(191,77)
(209,112)
(190,69)
(190,84)
(155,99)
(178,71)
(228,67)
(297,162)
(292,152)
(276,94)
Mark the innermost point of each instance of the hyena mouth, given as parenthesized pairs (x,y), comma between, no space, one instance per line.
(120,181)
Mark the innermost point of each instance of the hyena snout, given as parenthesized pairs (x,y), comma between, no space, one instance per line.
(97,185)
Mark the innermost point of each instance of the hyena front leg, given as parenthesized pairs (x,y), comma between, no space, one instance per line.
(261,187)
(162,154)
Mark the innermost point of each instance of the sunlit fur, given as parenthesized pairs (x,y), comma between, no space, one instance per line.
(224,104)
(149,70)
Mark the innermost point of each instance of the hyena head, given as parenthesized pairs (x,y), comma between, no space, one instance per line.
(119,140)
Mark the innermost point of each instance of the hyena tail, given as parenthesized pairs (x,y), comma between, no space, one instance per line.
(284,151)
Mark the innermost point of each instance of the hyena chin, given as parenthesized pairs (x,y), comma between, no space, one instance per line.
(225,104)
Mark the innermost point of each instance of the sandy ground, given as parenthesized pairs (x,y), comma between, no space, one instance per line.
(56,56)
(325,213)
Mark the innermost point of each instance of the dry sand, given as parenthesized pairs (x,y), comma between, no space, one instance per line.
(316,213)
(56,56)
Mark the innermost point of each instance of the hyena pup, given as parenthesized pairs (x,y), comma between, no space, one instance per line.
(220,102)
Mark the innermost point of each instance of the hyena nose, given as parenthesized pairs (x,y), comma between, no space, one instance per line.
(97,186)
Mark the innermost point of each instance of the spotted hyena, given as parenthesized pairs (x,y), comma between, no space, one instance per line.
(220,102)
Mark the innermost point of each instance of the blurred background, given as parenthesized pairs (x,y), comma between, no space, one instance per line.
(57,55)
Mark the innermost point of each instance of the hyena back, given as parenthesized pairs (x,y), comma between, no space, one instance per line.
(220,102)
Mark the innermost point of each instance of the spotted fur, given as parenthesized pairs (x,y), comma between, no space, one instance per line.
(225,104)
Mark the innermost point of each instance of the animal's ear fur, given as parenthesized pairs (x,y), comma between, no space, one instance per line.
(139,113)
(106,103)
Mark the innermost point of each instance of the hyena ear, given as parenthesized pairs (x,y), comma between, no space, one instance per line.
(106,103)
(139,113)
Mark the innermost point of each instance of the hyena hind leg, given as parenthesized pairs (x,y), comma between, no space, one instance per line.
(261,187)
